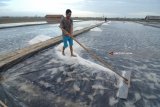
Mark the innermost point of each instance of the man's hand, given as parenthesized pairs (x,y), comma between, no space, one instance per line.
(68,34)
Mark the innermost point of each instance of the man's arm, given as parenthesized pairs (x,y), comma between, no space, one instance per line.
(62,24)
(71,30)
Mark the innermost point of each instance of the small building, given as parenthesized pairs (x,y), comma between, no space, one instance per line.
(53,18)
(152,18)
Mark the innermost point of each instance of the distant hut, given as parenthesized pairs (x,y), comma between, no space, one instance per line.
(53,18)
(152,18)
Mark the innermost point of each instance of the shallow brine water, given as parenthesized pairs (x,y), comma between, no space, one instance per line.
(50,79)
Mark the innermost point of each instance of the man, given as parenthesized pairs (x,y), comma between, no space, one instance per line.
(67,24)
(105,19)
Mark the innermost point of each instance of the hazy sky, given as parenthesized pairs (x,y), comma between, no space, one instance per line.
(94,8)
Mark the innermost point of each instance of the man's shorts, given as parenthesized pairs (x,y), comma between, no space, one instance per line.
(69,39)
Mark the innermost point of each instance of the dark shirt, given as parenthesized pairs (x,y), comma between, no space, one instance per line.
(66,24)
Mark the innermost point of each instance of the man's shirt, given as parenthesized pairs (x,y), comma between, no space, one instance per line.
(66,24)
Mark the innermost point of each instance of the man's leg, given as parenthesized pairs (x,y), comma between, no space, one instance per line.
(65,44)
(63,51)
(71,46)
(71,49)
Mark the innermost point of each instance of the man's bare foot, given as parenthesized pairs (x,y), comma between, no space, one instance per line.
(73,55)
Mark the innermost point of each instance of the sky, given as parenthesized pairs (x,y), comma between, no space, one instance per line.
(81,8)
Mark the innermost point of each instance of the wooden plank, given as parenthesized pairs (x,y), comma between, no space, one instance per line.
(2,104)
